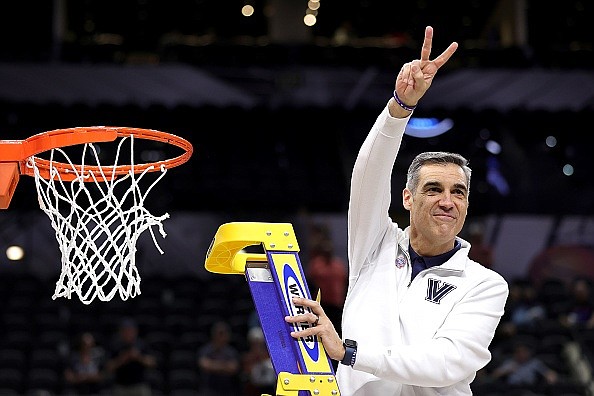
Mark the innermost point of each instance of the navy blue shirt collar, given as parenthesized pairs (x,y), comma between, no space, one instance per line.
(433,261)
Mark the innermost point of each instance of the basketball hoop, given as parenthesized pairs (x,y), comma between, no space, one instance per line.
(97,211)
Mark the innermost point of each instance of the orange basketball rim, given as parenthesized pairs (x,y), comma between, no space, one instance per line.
(15,153)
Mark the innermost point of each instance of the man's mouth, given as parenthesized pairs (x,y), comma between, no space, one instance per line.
(444,216)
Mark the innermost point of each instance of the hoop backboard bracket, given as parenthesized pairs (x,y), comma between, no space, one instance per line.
(9,178)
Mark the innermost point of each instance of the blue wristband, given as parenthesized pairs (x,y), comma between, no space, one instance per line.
(402,104)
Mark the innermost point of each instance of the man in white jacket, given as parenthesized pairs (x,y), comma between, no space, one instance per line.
(419,315)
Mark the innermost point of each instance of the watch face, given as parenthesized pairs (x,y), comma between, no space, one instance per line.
(350,343)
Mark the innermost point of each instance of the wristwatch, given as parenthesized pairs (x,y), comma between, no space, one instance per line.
(350,355)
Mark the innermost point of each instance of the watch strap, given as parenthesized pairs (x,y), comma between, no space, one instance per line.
(350,354)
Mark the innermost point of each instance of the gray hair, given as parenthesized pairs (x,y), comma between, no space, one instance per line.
(435,157)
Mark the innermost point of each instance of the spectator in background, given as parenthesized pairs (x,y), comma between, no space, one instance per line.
(528,311)
(580,309)
(327,272)
(83,374)
(507,328)
(523,368)
(524,314)
(219,362)
(129,360)
(258,375)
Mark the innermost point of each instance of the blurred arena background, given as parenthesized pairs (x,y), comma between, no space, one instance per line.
(276,96)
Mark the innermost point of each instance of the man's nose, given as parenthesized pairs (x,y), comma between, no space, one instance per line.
(446,200)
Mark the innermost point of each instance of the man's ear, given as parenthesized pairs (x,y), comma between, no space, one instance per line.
(407,198)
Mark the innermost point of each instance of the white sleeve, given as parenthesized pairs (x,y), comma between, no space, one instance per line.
(370,197)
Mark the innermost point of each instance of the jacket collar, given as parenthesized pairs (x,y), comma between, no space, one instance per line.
(456,263)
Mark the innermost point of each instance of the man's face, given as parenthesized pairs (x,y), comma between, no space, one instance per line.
(437,208)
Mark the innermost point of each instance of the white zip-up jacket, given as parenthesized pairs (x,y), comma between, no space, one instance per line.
(425,337)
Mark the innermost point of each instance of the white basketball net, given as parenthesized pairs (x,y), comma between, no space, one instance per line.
(96,231)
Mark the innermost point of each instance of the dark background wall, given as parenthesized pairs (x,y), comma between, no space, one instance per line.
(276,118)
(285,116)
(276,112)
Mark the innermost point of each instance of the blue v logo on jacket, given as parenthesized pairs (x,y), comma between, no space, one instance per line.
(436,290)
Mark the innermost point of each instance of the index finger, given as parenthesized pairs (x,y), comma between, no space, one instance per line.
(305,302)
(445,55)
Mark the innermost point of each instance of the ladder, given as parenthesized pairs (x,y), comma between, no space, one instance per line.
(275,276)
